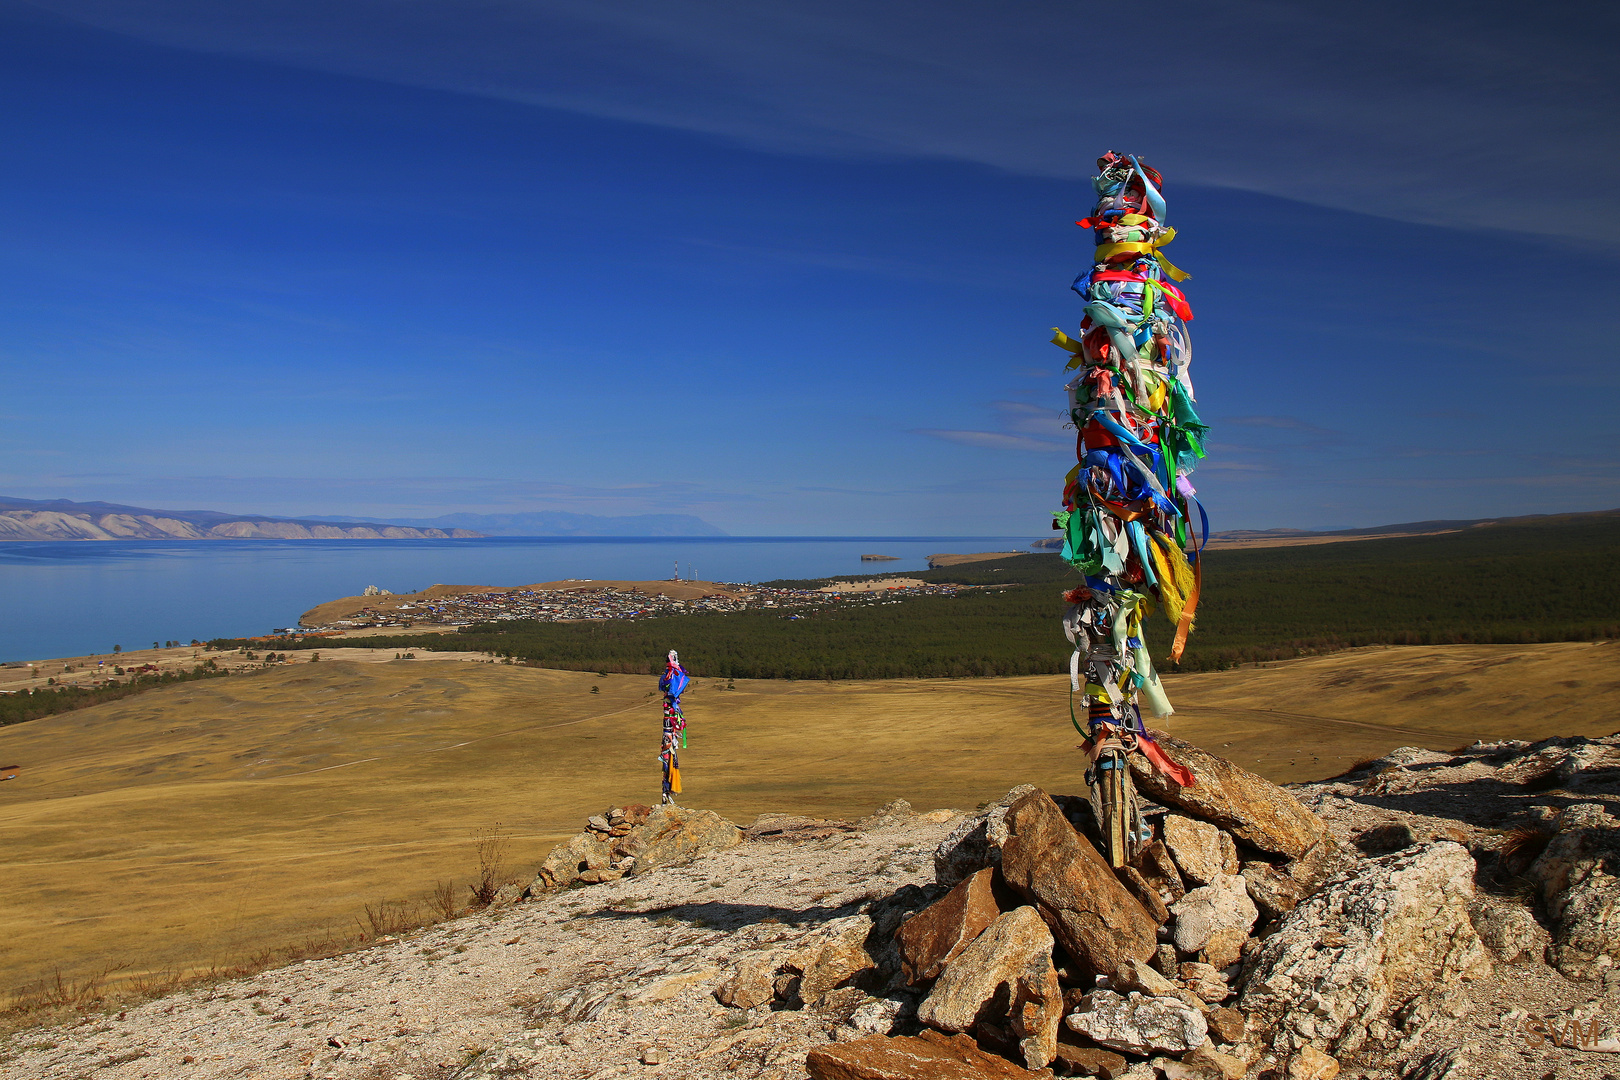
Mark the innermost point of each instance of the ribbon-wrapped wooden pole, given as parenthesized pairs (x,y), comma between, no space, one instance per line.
(1128,503)
(673,685)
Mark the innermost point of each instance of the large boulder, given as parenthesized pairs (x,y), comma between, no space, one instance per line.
(1003,980)
(752,982)
(927,1056)
(1137,1024)
(1223,904)
(1577,877)
(935,935)
(1369,961)
(1251,808)
(1099,923)
(672,834)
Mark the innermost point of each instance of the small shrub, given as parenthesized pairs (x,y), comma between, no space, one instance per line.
(491,845)
(443,899)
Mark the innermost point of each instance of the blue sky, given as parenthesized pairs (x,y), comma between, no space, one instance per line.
(792,267)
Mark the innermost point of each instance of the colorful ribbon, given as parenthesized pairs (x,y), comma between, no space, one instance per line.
(673,685)
(1127,517)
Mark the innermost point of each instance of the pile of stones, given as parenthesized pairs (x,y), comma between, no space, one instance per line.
(1243,940)
(625,841)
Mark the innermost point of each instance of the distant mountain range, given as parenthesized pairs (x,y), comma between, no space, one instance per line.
(560,523)
(63,519)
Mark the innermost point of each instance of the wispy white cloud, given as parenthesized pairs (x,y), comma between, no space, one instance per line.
(1027,418)
(1311,102)
(991,440)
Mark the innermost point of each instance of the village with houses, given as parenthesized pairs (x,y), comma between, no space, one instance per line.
(572,601)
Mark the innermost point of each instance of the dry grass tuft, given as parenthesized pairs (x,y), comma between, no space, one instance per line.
(443,900)
(1522,846)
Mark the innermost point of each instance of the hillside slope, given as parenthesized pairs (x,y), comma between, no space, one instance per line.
(629,977)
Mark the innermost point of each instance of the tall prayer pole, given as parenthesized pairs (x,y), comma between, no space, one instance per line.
(1126,517)
(673,684)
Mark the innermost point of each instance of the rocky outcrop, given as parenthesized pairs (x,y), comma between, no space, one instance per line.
(632,840)
(571,858)
(927,1056)
(1253,809)
(672,835)
(936,935)
(1138,1024)
(1367,963)
(1098,921)
(1003,988)
(1576,874)
(1510,931)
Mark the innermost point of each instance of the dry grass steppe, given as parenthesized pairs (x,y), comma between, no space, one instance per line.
(198,824)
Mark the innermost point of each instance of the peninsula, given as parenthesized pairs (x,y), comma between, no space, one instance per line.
(62,519)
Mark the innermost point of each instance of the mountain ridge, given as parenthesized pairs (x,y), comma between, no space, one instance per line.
(64,519)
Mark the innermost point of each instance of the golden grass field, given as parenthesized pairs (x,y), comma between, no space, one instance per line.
(197,824)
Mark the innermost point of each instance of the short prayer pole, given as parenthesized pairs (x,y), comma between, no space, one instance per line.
(673,684)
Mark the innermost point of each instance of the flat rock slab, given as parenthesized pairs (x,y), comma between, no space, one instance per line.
(1196,847)
(1250,807)
(1137,1024)
(1004,978)
(1096,919)
(935,935)
(929,1056)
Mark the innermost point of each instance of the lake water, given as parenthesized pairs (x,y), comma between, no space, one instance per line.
(76,598)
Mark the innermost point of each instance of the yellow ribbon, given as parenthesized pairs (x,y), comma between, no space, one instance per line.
(1105,251)
(1064,341)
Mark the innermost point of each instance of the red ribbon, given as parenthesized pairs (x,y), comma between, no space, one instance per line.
(1155,754)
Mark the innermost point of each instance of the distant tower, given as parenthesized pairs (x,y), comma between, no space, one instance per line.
(677,575)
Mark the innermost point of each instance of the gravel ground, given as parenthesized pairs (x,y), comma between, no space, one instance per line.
(584,982)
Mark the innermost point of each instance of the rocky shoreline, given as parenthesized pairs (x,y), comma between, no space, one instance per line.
(1424,916)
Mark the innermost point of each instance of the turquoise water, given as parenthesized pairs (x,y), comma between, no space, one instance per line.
(75,598)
